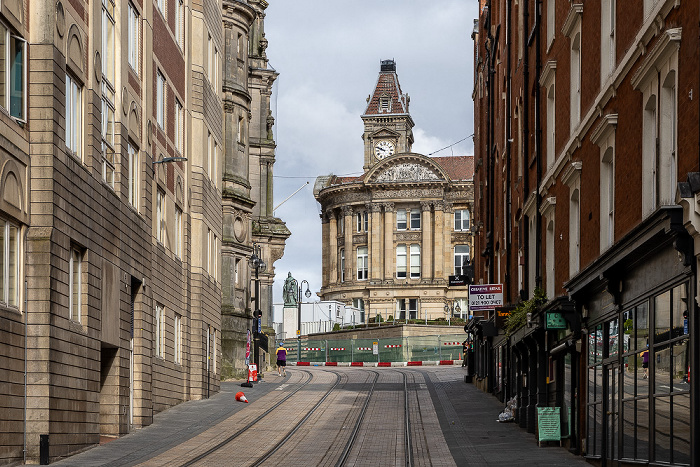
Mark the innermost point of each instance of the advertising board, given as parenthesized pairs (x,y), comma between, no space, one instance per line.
(485,296)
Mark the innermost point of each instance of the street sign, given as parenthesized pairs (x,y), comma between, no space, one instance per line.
(485,296)
(258,325)
(247,349)
(375,348)
(554,320)
(298,332)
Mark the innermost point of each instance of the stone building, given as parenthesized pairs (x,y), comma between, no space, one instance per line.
(586,135)
(116,147)
(392,236)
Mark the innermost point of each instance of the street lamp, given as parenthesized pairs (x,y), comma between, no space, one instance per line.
(257,263)
(307,294)
(450,308)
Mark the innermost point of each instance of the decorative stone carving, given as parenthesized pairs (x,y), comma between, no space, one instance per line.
(275,254)
(388,207)
(425,205)
(360,239)
(347,210)
(407,172)
(375,207)
(439,205)
(449,207)
(60,19)
(408,236)
(411,193)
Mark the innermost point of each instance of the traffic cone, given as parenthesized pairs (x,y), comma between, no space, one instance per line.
(241,397)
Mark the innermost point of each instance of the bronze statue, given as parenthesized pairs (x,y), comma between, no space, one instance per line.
(289,292)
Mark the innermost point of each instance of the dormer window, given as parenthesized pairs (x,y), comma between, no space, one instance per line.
(385,104)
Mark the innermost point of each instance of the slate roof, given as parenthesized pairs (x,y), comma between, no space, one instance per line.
(387,85)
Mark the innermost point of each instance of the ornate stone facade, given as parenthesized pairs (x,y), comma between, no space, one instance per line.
(392,240)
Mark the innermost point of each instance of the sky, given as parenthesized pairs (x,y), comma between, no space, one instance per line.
(327,54)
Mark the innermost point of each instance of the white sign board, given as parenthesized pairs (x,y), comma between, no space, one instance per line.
(485,296)
(375,348)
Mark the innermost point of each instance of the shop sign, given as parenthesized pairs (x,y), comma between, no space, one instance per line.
(485,296)
(554,320)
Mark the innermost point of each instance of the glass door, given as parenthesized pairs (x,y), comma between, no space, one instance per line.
(611,373)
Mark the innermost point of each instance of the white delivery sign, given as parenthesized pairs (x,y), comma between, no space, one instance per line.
(485,296)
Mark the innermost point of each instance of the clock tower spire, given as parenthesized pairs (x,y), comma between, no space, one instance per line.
(388,125)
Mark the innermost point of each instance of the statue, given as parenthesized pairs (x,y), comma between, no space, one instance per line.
(289,292)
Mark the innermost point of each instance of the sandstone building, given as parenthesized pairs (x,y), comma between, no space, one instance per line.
(392,236)
(126,199)
(586,135)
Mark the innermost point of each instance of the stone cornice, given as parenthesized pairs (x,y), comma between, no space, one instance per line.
(574,15)
(571,173)
(548,72)
(607,125)
(669,41)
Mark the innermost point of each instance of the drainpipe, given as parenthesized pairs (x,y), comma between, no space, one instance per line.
(538,144)
(509,144)
(26,324)
(525,115)
(489,139)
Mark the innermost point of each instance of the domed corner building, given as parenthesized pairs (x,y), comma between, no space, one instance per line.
(393,236)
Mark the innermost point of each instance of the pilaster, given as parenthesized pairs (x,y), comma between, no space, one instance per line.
(389,222)
(426,244)
(439,249)
(374,236)
(350,255)
(332,241)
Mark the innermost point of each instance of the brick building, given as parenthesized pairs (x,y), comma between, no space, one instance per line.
(392,236)
(586,139)
(119,165)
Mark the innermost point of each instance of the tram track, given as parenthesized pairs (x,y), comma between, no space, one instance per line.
(257,419)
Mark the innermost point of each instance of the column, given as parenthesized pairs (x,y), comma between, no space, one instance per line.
(350,255)
(389,256)
(374,238)
(332,247)
(438,238)
(448,248)
(326,251)
(426,253)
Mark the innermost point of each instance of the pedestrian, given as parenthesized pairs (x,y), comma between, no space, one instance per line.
(645,362)
(465,349)
(281,360)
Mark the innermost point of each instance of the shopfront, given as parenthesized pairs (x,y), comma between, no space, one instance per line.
(637,306)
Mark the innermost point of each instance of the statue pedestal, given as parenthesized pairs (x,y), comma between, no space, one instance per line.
(289,321)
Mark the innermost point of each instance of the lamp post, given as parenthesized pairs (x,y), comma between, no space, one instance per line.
(307,294)
(257,263)
(450,308)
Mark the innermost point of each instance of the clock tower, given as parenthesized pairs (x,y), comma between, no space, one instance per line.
(388,125)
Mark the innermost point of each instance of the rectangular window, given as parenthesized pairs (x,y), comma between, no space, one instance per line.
(361,263)
(161,7)
(178,232)
(9,263)
(209,152)
(237,272)
(160,216)
(365,215)
(160,100)
(159,338)
(74,120)
(210,60)
(215,71)
(415,219)
(241,130)
(412,308)
(213,349)
(214,162)
(215,257)
(178,338)
(179,22)
(359,221)
(362,221)
(461,220)
(401,261)
(415,261)
(108,160)
(13,81)
(461,259)
(179,119)
(134,31)
(75,285)
(134,177)
(108,46)
(551,124)
(401,308)
(401,219)
(342,265)
(207,262)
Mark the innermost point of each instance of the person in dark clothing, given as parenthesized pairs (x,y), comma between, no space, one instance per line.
(281,360)
(465,349)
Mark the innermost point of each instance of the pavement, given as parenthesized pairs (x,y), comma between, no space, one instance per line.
(467,418)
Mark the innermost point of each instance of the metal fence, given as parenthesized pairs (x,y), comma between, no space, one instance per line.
(397,349)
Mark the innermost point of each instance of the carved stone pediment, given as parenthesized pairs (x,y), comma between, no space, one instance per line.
(406,172)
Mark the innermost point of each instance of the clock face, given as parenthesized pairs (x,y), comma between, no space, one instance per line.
(383,149)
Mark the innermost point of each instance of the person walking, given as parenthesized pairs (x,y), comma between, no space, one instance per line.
(465,349)
(281,360)
(645,363)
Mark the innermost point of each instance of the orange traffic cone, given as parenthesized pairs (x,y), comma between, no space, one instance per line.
(241,397)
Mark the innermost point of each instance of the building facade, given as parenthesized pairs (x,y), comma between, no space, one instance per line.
(586,135)
(118,167)
(392,236)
